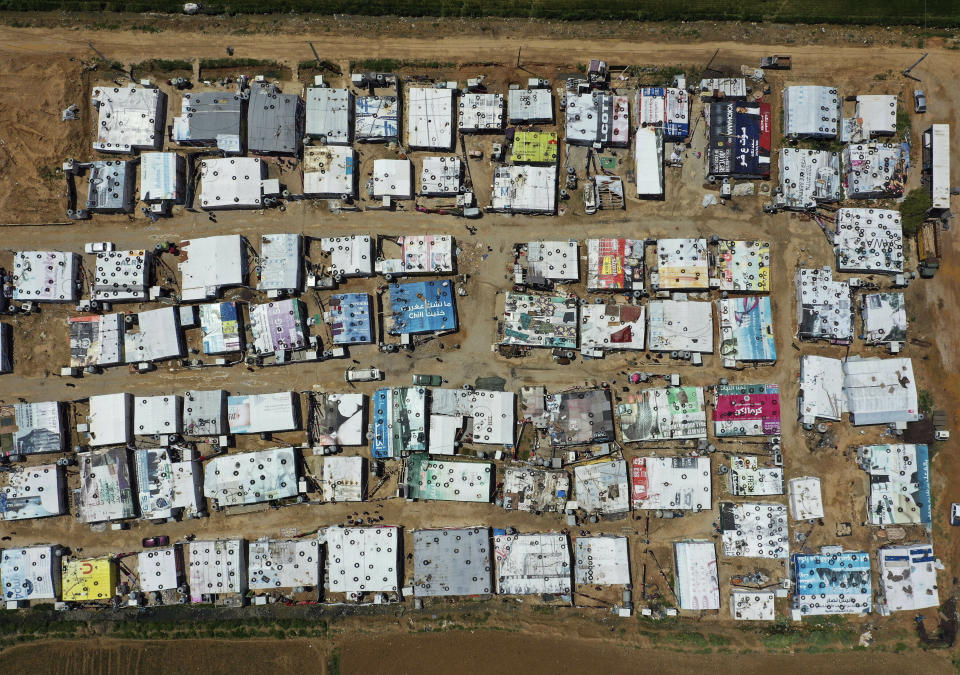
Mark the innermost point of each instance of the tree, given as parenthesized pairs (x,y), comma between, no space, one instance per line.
(913,210)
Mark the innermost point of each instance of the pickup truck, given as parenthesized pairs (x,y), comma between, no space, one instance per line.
(363,375)
(780,62)
(428,380)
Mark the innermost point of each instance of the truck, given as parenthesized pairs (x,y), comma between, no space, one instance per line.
(363,375)
(427,380)
(778,62)
(928,248)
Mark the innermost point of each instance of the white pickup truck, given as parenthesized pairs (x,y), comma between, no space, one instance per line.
(363,375)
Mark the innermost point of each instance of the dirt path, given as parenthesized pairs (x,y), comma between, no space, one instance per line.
(130,45)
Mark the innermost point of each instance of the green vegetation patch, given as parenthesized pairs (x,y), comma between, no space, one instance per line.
(932,13)
(265,67)
(390,65)
(162,66)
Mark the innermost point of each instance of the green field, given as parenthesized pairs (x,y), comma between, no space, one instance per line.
(884,12)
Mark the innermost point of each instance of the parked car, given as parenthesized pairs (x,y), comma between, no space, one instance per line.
(153,542)
(99,246)
(919,101)
(428,380)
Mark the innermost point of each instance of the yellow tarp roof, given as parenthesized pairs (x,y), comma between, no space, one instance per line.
(89,579)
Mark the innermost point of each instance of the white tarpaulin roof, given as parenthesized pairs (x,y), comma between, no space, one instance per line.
(217,567)
(878,113)
(328,114)
(492,412)
(159,569)
(251,477)
(30,573)
(908,575)
(430,118)
(231,183)
(748,478)
(154,415)
(806,500)
(648,155)
(552,260)
(754,530)
(530,564)
(160,177)
(343,479)
(211,263)
(602,486)
(121,275)
(337,419)
(205,412)
(440,176)
(32,492)
(808,177)
(683,264)
(611,327)
(110,419)
(938,138)
(362,559)
(106,492)
(824,306)
(696,580)
(280,262)
(680,325)
(45,276)
(329,171)
(752,605)
(481,112)
(128,118)
(880,391)
(899,483)
(530,105)
(524,189)
(821,389)
(672,483)
(156,338)
(602,561)
(165,486)
(884,317)
(811,111)
(283,563)
(869,240)
(392,178)
(351,256)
